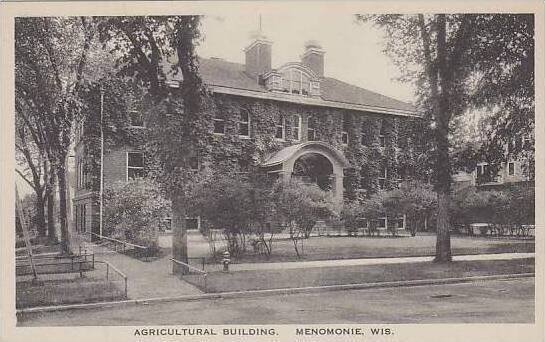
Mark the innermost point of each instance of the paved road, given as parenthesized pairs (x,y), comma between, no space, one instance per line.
(505,301)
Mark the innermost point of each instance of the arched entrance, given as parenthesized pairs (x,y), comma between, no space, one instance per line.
(314,168)
(311,161)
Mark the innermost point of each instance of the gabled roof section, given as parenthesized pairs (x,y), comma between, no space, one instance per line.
(217,72)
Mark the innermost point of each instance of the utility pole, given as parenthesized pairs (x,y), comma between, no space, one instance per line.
(24,228)
(101,190)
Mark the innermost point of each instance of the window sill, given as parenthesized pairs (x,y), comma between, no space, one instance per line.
(244,136)
(218,134)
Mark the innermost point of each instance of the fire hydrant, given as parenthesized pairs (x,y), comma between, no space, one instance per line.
(226,260)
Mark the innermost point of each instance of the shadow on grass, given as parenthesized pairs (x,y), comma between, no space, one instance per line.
(322,276)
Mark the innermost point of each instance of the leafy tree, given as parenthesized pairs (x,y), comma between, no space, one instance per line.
(134,211)
(300,205)
(223,201)
(454,60)
(146,46)
(51,56)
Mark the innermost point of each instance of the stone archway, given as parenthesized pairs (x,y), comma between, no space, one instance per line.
(284,161)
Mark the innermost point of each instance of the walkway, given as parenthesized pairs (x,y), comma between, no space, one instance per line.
(146,279)
(370,261)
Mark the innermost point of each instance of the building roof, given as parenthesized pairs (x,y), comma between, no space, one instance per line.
(218,72)
(287,152)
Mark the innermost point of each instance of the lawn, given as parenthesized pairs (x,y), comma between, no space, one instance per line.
(57,292)
(321,276)
(327,248)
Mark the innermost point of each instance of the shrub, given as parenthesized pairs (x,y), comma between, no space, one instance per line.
(300,205)
(515,205)
(133,211)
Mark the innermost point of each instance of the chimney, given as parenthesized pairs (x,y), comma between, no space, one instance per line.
(314,57)
(258,56)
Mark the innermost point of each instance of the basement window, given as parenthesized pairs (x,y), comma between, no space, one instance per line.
(136,119)
(219,125)
(135,165)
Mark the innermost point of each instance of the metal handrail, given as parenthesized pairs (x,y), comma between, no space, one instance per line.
(188,266)
(123,243)
(108,266)
(53,256)
(119,241)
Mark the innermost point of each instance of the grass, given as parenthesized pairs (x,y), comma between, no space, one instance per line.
(327,248)
(57,292)
(321,276)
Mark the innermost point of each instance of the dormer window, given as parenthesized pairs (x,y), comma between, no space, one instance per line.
(295,81)
(244,124)
(293,78)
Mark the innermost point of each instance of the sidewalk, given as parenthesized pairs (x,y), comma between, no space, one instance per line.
(371,261)
(154,278)
(145,279)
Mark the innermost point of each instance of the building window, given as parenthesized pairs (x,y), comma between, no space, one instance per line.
(136,119)
(296,127)
(382,223)
(244,124)
(383,175)
(511,168)
(280,128)
(82,227)
(219,125)
(311,129)
(135,165)
(296,82)
(194,164)
(346,125)
(382,133)
(363,136)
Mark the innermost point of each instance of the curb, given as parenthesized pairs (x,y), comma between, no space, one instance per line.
(284,291)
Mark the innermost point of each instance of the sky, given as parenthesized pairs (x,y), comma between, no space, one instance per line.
(353,50)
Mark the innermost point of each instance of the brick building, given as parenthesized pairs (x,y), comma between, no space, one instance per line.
(289,121)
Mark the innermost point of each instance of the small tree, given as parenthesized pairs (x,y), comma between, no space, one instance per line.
(372,209)
(134,210)
(223,201)
(300,205)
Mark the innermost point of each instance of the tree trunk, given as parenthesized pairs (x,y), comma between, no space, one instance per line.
(442,114)
(40,213)
(442,246)
(179,237)
(51,231)
(63,209)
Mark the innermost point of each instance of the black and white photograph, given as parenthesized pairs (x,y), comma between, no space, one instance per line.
(311,171)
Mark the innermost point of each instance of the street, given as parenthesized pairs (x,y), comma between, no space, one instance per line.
(502,301)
